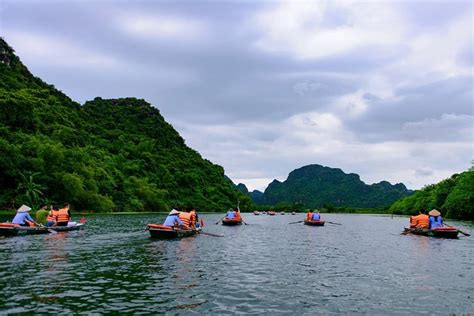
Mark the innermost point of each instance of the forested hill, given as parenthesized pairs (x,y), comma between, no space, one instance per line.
(315,186)
(107,155)
(454,197)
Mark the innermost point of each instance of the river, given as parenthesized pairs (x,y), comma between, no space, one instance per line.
(268,266)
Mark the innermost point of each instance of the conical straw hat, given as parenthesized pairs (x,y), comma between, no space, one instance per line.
(434,213)
(23,209)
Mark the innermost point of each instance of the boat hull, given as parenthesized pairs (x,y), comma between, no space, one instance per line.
(231,222)
(22,230)
(450,233)
(162,233)
(314,223)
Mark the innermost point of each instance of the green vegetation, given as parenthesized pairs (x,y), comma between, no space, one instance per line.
(454,197)
(315,186)
(106,156)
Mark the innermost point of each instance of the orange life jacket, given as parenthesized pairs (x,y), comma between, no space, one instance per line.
(193,217)
(237,216)
(421,221)
(309,216)
(186,218)
(59,216)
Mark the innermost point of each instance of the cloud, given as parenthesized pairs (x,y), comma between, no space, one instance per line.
(312,30)
(161,26)
(56,52)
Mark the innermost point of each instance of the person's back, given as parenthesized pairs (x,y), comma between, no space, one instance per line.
(436,221)
(23,218)
(316,217)
(423,221)
(309,216)
(173,219)
(230,214)
(186,218)
(42,215)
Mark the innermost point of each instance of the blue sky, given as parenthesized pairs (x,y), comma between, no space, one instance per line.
(383,89)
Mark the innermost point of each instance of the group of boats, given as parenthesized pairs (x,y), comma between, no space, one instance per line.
(165,232)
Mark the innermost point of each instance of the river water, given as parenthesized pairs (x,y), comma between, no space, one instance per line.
(265,267)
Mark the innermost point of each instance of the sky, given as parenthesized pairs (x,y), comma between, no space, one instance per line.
(383,89)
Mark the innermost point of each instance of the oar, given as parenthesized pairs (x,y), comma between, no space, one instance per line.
(220,220)
(243,222)
(464,233)
(333,223)
(296,222)
(52,231)
(213,235)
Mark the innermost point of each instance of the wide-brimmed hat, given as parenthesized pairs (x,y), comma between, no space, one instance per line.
(434,213)
(23,209)
(173,212)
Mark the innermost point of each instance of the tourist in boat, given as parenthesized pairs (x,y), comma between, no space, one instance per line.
(309,215)
(194,217)
(421,221)
(59,216)
(435,219)
(23,217)
(237,214)
(316,216)
(173,219)
(189,221)
(230,214)
(42,214)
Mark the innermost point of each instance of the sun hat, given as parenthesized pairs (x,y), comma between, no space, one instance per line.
(23,209)
(434,213)
(173,212)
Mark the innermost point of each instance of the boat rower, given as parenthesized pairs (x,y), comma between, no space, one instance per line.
(316,216)
(230,214)
(173,219)
(435,219)
(23,218)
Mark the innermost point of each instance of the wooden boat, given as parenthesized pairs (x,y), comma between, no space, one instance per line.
(282,213)
(9,229)
(271,213)
(293,213)
(256,213)
(231,222)
(439,232)
(314,223)
(165,232)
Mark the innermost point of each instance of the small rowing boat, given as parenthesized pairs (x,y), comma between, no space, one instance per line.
(9,229)
(256,213)
(438,232)
(231,222)
(271,213)
(165,232)
(314,223)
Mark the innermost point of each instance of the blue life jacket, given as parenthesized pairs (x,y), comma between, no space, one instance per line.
(316,217)
(230,214)
(436,223)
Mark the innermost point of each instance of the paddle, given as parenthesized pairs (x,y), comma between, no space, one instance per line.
(464,233)
(296,222)
(213,235)
(220,220)
(333,223)
(243,222)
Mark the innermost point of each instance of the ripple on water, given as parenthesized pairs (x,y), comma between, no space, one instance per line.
(267,267)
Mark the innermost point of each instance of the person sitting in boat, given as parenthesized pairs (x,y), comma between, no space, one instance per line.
(194,216)
(42,214)
(173,219)
(309,216)
(23,218)
(187,218)
(59,216)
(237,214)
(316,216)
(230,214)
(435,219)
(421,221)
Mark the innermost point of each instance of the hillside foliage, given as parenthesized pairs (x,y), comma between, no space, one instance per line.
(106,155)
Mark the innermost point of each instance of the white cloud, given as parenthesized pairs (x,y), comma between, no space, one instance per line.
(161,26)
(316,29)
(48,50)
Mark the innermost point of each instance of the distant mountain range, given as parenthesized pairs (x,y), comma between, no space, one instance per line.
(316,185)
